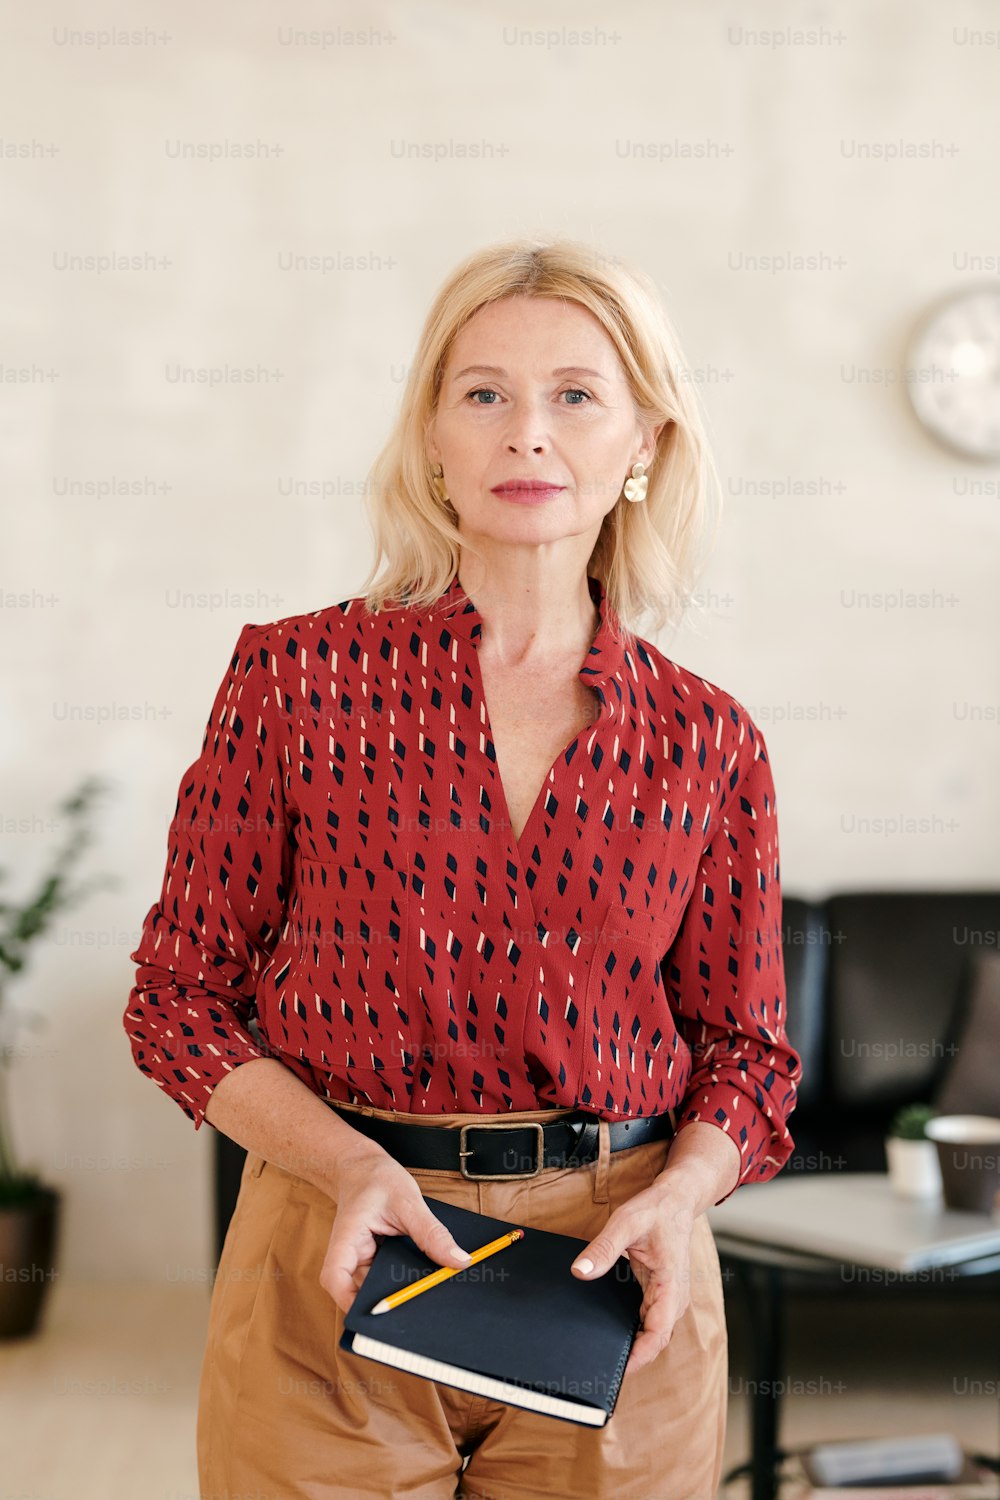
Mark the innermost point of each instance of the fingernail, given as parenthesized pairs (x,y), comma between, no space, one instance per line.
(464,1254)
(583,1266)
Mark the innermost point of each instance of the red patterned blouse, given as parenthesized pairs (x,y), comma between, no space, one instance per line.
(343,890)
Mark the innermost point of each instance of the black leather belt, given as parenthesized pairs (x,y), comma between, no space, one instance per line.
(501,1148)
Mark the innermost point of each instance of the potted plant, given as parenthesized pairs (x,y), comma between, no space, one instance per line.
(29,1207)
(914,1171)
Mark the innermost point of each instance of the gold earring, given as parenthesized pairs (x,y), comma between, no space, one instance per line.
(438,477)
(638,484)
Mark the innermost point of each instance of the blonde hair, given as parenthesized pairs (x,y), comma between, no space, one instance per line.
(647,555)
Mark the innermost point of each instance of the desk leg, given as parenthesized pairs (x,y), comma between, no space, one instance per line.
(765,1304)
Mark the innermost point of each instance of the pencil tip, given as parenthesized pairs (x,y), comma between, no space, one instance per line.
(380,1307)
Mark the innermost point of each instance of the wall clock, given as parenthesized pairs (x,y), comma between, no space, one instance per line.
(953,372)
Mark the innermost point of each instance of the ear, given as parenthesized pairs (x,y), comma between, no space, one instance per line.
(647,447)
(430,444)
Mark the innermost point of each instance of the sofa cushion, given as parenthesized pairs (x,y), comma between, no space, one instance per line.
(970,1084)
(897,962)
(805,942)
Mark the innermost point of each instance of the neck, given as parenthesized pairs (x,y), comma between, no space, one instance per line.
(532,613)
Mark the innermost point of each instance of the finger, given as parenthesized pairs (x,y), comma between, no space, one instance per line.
(644,1350)
(659,1319)
(348,1256)
(599,1256)
(433,1237)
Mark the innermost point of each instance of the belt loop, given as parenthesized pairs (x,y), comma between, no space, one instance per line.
(601,1177)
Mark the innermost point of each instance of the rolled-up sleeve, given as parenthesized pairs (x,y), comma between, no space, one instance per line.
(206,940)
(725,976)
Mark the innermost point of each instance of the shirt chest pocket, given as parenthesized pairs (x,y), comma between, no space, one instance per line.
(627,1052)
(351,975)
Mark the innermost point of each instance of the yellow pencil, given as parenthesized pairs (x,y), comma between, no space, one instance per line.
(442,1275)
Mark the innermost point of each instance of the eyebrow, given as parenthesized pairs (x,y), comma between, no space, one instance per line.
(496,370)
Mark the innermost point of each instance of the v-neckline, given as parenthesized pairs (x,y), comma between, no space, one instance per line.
(516,842)
(602,669)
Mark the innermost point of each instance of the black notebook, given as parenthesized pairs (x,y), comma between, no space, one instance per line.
(517,1327)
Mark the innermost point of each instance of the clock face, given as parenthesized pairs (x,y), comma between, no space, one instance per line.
(953,373)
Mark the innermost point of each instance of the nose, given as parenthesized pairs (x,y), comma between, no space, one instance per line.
(526,430)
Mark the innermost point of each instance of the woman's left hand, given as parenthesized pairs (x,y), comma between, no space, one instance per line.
(655,1234)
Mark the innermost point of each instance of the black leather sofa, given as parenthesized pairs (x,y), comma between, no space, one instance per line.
(876,983)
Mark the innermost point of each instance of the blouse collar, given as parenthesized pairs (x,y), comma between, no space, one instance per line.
(607,667)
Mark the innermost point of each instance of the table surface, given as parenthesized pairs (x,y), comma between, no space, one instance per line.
(854,1216)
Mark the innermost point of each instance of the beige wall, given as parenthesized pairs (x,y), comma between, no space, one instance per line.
(669,137)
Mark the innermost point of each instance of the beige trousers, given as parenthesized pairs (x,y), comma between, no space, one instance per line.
(285,1414)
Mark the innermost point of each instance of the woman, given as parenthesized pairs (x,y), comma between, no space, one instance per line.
(465,851)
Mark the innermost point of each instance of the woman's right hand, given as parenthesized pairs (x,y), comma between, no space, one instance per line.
(377,1197)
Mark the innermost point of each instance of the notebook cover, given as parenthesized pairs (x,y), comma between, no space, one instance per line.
(520,1315)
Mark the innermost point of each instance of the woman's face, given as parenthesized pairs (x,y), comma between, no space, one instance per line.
(533,390)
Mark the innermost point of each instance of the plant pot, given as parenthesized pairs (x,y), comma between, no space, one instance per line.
(29,1234)
(914,1169)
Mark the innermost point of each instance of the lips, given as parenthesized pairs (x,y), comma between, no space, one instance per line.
(526,486)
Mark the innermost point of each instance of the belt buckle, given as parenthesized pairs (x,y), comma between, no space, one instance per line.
(463,1151)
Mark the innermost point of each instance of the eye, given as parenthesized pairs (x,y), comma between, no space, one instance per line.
(486,391)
